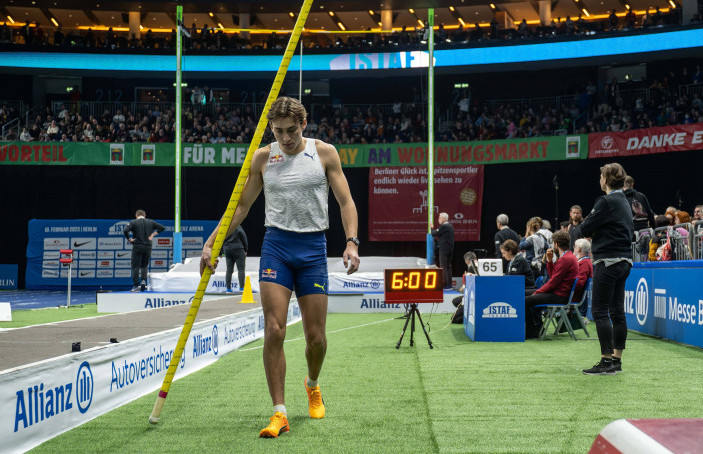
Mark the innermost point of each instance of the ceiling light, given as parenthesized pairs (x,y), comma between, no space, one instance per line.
(371,12)
(451,8)
(331,13)
(412,11)
(291,14)
(54,22)
(585,12)
(341,25)
(493,6)
(673,5)
(10,19)
(463,24)
(422,24)
(380,24)
(210,14)
(220,25)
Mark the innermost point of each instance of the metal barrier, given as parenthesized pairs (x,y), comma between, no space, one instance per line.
(8,127)
(680,237)
(640,247)
(697,240)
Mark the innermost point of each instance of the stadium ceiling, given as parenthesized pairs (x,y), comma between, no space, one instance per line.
(249,6)
(281,15)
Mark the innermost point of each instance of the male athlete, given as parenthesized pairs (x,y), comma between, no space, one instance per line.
(295,174)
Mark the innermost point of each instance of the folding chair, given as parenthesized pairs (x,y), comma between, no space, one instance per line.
(576,306)
(557,309)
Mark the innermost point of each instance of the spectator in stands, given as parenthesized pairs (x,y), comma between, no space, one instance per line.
(504,233)
(26,136)
(582,251)
(698,213)
(564,225)
(681,217)
(610,225)
(642,214)
(575,220)
(53,131)
(670,212)
(517,265)
(563,268)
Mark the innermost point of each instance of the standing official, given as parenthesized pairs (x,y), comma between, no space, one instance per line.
(611,228)
(445,237)
(235,250)
(143,230)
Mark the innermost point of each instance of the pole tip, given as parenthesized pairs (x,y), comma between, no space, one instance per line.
(153,420)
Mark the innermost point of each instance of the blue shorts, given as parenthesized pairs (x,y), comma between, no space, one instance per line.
(297,261)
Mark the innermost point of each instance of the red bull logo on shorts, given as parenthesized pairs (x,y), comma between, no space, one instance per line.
(268,273)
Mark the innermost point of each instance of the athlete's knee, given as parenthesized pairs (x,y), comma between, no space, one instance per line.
(316,340)
(275,332)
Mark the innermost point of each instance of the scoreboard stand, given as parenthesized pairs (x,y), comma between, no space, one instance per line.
(412,287)
(411,316)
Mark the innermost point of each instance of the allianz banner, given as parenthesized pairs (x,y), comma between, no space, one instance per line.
(357,155)
(646,141)
(666,299)
(101,254)
(398,202)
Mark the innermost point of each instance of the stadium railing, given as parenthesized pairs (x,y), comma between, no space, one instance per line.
(640,247)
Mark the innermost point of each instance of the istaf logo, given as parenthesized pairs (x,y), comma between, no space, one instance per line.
(117,228)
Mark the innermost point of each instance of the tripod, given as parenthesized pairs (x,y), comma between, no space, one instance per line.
(411,315)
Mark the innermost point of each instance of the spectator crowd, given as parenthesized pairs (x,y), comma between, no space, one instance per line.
(212,38)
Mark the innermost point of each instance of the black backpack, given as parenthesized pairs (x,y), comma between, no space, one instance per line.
(638,212)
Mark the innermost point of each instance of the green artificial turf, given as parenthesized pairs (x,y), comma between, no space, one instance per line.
(460,397)
(29,317)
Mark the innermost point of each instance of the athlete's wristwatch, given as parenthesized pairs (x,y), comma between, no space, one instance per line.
(354,240)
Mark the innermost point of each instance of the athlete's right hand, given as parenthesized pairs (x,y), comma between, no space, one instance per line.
(205,260)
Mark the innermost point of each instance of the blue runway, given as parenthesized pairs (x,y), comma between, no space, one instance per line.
(38,299)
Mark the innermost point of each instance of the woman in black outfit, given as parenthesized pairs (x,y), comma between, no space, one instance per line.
(611,229)
(517,264)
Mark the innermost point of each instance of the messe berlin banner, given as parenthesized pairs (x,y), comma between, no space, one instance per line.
(646,141)
(534,149)
(398,202)
(101,254)
(666,299)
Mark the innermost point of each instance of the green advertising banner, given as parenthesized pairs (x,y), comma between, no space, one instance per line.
(359,155)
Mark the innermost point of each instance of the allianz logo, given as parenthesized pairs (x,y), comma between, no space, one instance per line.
(499,310)
(372,284)
(41,402)
(152,303)
(205,344)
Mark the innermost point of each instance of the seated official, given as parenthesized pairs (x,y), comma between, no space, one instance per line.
(472,269)
(562,274)
(582,251)
(517,265)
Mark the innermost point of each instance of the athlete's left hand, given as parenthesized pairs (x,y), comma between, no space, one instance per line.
(351,258)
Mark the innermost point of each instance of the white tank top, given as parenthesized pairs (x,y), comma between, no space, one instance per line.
(296,190)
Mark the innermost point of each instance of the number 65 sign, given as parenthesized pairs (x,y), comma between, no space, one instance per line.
(490,267)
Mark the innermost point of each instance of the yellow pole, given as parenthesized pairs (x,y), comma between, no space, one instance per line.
(229,211)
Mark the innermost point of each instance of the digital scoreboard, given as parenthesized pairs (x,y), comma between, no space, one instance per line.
(407,285)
